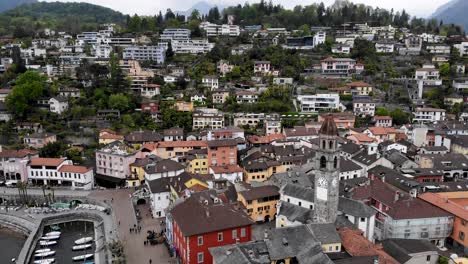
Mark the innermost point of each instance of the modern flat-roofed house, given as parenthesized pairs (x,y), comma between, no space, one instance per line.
(428,115)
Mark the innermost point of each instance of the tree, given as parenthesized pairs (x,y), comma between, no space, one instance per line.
(381,111)
(52,150)
(29,87)
(444,69)
(399,117)
(74,154)
(117,79)
(195,15)
(119,102)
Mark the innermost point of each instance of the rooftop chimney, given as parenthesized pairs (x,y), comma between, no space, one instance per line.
(397,196)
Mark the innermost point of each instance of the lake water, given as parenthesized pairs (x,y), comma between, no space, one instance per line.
(11,244)
(70,232)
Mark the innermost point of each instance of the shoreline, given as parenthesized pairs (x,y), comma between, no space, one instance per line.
(9,232)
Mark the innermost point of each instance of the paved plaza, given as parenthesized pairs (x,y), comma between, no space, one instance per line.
(135,250)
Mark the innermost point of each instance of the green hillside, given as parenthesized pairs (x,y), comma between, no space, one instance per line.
(71,17)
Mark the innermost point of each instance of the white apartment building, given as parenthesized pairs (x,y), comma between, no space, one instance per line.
(170,34)
(192,46)
(120,41)
(272,126)
(429,75)
(384,47)
(460,84)
(102,51)
(440,49)
(210,82)
(150,90)
(246,97)
(319,102)
(145,53)
(428,115)
(58,104)
(57,171)
(341,49)
(364,107)
(208,118)
(213,30)
(462,48)
(319,38)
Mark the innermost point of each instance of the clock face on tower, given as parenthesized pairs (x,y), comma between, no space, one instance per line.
(334,182)
(322,182)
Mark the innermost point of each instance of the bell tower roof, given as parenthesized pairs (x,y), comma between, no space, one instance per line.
(328,127)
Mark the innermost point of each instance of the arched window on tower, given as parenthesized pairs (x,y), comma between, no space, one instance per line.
(330,144)
(335,163)
(323,162)
(323,144)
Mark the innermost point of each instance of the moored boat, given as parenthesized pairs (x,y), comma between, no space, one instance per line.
(47,243)
(83,240)
(83,257)
(82,247)
(54,233)
(50,237)
(44,261)
(44,254)
(42,250)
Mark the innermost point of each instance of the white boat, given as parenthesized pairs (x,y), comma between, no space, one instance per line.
(81,247)
(83,240)
(83,257)
(47,243)
(42,250)
(50,237)
(44,261)
(44,254)
(53,233)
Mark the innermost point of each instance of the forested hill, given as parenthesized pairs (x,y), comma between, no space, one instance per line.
(26,19)
(10,4)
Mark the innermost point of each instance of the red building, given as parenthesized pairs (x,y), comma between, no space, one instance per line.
(200,223)
(150,107)
(222,152)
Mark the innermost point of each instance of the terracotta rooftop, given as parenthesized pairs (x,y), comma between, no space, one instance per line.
(227,169)
(266,139)
(17,153)
(174,144)
(74,169)
(359,84)
(46,161)
(358,246)
(362,137)
(443,202)
(382,130)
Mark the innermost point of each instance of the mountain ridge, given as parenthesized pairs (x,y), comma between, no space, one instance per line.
(453,12)
(6,5)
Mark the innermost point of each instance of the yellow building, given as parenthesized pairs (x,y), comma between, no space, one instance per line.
(137,170)
(107,136)
(260,202)
(175,149)
(197,161)
(260,171)
(182,106)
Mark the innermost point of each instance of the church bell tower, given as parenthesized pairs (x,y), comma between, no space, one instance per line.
(327,172)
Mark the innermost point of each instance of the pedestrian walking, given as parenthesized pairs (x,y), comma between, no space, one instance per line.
(151,261)
(119,223)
